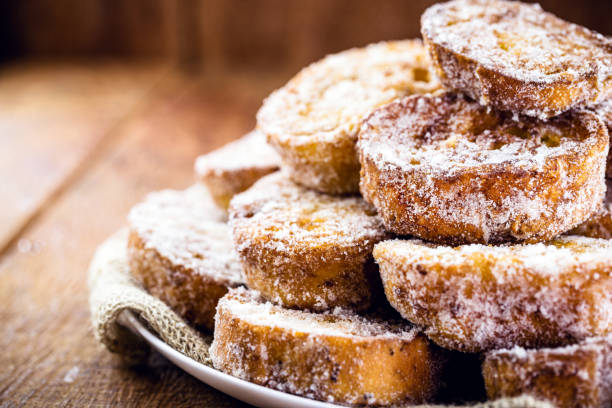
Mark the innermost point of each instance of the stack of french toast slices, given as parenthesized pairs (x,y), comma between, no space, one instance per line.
(410,222)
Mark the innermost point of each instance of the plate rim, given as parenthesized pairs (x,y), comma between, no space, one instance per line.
(242,390)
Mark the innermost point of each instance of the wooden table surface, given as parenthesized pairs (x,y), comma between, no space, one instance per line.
(80,143)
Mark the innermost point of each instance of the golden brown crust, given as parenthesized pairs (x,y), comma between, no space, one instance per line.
(444,169)
(604,110)
(476,298)
(305,249)
(516,57)
(181,255)
(313,120)
(337,357)
(236,166)
(193,296)
(599,225)
(326,166)
(575,376)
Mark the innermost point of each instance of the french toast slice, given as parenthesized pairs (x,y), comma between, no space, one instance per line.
(516,57)
(475,298)
(335,357)
(313,120)
(305,249)
(599,225)
(236,166)
(181,253)
(575,376)
(448,170)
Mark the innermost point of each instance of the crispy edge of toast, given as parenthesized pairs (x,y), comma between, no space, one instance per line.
(347,369)
(571,376)
(192,295)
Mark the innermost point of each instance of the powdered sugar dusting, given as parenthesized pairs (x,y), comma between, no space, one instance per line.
(604,110)
(448,133)
(236,166)
(250,306)
(334,94)
(519,40)
(290,215)
(184,227)
(477,297)
(545,259)
(250,151)
(575,375)
(599,225)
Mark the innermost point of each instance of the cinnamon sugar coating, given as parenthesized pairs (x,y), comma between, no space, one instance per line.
(476,298)
(515,57)
(335,357)
(599,225)
(305,249)
(576,376)
(444,169)
(181,253)
(313,120)
(604,110)
(236,166)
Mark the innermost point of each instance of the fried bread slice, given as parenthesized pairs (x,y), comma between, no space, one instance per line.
(181,253)
(476,298)
(445,169)
(305,249)
(336,357)
(599,225)
(313,120)
(516,57)
(236,166)
(575,376)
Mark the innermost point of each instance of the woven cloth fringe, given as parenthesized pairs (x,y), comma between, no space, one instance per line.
(113,290)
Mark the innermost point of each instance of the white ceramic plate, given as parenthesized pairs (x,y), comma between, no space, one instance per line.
(243,390)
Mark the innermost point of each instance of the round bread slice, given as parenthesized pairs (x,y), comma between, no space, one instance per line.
(476,298)
(445,169)
(335,357)
(600,224)
(515,57)
(182,254)
(236,166)
(574,376)
(313,120)
(305,249)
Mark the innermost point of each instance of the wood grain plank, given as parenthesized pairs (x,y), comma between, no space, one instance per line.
(49,354)
(52,117)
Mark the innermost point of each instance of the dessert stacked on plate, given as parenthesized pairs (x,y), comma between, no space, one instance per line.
(434,208)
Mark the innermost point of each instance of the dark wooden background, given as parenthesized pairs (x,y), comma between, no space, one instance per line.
(103,101)
(230,34)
